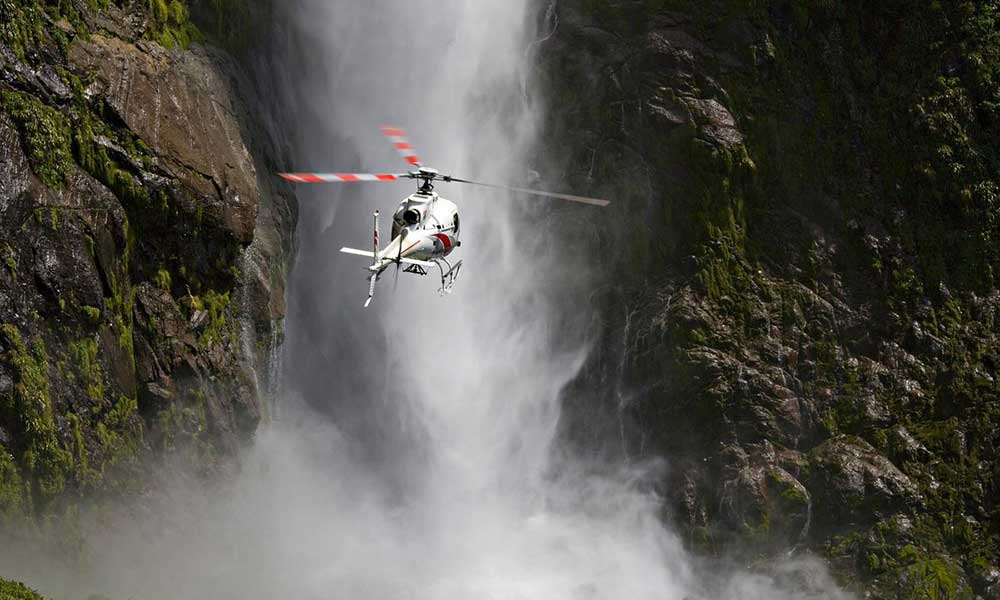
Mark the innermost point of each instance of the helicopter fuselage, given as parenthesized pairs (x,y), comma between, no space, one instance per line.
(424,227)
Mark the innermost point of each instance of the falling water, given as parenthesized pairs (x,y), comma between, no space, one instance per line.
(465,388)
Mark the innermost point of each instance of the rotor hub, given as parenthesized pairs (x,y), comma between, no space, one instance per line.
(426,175)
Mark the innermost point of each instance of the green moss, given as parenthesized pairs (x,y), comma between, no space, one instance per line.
(120,305)
(12,590)
(216,305)
(94,158)
(21,25)
(46,135)
(84,352)
(114,432)
(162,279)
(931,578)
(85,475)
(125,340)
(10,260)
(11,486)
(92,313)
(42,457)
(170,24)
(794,495)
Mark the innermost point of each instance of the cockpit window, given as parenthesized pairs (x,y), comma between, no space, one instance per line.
(456,224)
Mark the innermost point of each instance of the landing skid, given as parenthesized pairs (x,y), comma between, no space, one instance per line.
(449,273)
(449,276)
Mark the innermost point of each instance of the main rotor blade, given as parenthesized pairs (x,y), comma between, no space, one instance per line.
(570,197)
(342,177)
(402,145)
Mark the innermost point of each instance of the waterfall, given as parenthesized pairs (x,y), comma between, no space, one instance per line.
(451,405)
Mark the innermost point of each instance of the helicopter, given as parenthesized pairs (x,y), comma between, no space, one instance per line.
(425,226)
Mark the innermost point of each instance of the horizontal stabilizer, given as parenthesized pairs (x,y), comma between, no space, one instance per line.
(357,252)
(405,261)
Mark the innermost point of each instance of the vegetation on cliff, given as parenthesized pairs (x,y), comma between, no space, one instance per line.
(13,590)
(811,192)
(124,248)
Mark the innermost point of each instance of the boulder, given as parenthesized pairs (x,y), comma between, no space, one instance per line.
(853,484)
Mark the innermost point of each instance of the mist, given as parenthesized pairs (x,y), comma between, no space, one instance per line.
(414,450)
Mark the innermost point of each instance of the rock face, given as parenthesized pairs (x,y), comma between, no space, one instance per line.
(804,241)
(144,247)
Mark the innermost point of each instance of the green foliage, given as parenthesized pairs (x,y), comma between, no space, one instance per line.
(46,136)
(215,304)
(94,158)
(11,486)
(10,260)
(21,25)
(162,279)
(931,578)
(170,24)
(84,474)
(11,590)
(114,432)
(84,352)
(31,409)
(92,313)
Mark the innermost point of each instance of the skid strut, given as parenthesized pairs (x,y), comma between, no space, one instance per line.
(449,276)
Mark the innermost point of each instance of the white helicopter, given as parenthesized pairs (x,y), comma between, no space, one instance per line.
(425,226)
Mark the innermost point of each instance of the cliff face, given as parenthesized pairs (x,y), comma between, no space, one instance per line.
(144,249)
(803,318)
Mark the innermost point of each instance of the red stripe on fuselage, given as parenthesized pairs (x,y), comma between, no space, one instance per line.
(444,240)
(346,177)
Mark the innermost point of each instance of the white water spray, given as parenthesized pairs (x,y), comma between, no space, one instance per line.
(484,512)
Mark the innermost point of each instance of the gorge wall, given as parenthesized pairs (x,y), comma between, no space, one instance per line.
(145,244)
(801,306)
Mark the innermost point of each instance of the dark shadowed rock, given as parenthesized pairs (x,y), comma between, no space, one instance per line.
(853,483)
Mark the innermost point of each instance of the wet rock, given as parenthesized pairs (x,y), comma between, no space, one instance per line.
(903,446)
(767,505)
(853,484)
(716,121)
(161,201)
(180,105)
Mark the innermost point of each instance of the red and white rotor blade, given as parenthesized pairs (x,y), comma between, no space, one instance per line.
(402,145)
(341,177)
(569,197)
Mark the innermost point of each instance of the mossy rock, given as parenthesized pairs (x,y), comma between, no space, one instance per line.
(45,133)
(930,578)
(13,590)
